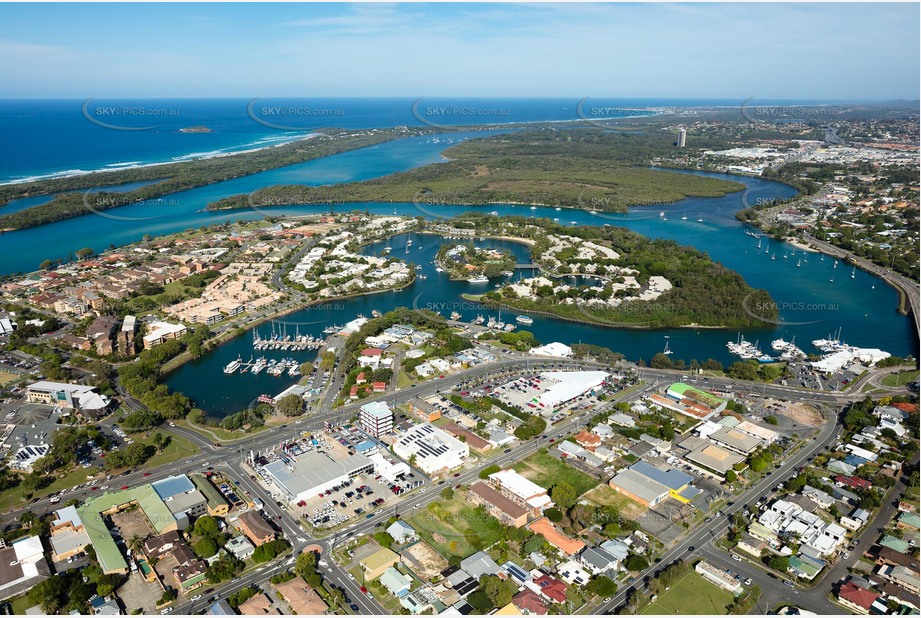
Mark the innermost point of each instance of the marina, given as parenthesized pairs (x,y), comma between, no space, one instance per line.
(285,342)
(272,367)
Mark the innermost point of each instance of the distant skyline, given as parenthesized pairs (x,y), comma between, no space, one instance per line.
(847,51)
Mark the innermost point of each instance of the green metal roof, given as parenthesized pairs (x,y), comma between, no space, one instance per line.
(107,552)
(209,491)
(695,393)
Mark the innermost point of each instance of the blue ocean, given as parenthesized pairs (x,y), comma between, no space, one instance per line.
(50,138)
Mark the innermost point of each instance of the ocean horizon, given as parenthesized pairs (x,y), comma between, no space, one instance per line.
(53,138)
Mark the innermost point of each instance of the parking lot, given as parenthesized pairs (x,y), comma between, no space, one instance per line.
(358,497)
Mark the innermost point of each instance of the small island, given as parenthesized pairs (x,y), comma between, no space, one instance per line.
(199,129)
(612,276)
(467,261)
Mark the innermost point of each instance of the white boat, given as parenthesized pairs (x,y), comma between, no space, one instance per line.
(479,319)
(666,351)
(524,319)
(233,365)
(409,241)
(478,279)
(509,328)
(780,344)
(774,257)
(259,365)
(853,272)
(684,217)
(439,269)
(558,209)
(455,316)
(331,330)
(533,207)
(766,358)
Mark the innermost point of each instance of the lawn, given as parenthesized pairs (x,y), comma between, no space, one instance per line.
(444,524)
(178,448)
(547,471)
(13,497)
(603,495)
(7,377)
(900,379)
(691,595)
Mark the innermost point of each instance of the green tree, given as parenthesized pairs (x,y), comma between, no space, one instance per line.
(290,405)
(384,539)
(206,525)
(447,493)
(601,586)
(306,564)
(205,547)
(636,563)
(564,495)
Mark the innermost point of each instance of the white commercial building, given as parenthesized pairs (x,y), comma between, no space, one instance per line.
(388,469)
(311,474)
(434,450)
(74,396)
(521,490)
(376,418)
(557,349)
(567,385)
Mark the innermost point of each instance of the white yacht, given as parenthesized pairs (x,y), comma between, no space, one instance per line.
(524,319)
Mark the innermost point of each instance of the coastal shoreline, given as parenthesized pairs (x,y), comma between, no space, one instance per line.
(179,159)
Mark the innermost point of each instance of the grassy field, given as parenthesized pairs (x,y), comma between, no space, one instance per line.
(900,379)
(450,521)
(7,377)
(178,448)
(547,471)
(691,595)
(603,495)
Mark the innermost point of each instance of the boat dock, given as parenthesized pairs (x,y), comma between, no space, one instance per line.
(286,342)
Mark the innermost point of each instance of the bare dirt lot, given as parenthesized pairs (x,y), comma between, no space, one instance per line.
(424,561)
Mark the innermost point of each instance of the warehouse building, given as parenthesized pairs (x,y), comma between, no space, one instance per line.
(313,473)
(434,450)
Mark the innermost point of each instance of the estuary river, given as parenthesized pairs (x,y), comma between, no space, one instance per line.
(815,297)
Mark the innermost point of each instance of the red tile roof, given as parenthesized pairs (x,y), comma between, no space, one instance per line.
(552,588)
(857,595)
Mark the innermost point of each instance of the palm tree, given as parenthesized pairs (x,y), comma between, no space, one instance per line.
(135,543)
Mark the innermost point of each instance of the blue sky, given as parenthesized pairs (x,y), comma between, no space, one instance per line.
(796,51)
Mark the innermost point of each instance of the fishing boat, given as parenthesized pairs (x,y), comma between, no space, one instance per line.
(524,319)
(233,365)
